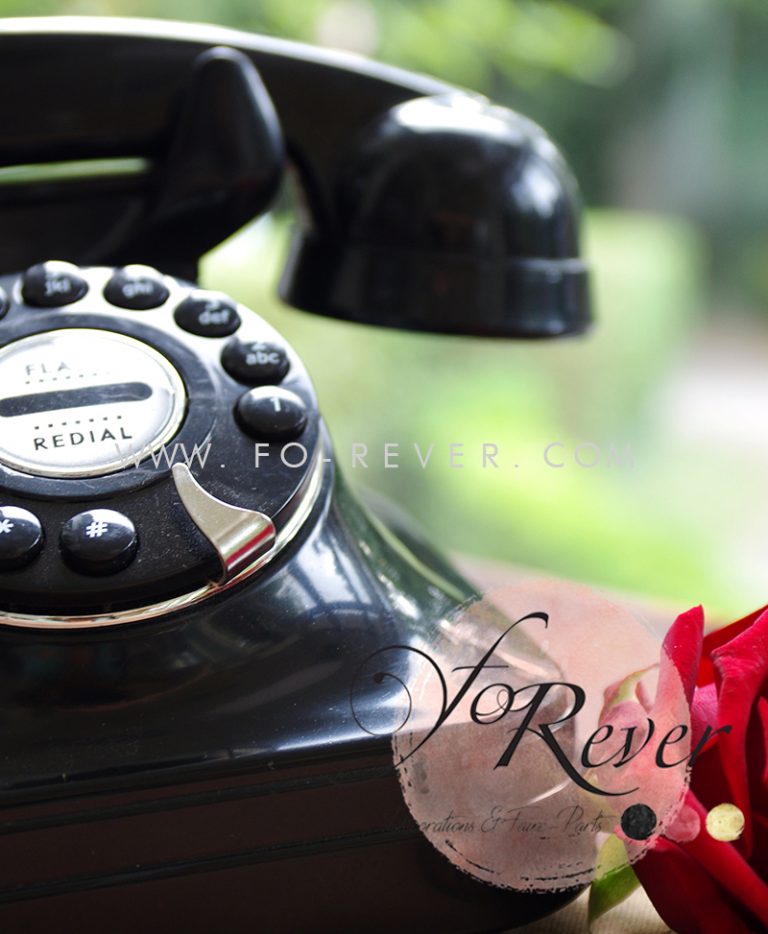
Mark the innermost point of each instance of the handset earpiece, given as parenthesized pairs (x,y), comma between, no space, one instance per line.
(450,215)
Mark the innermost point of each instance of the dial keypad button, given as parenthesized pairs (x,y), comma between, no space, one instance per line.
(99,541)
(254,362)
(137,288)
(21,537)
(271,413)
(53,284)
(208,315)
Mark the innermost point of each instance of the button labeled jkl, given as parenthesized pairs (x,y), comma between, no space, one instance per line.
(52,284)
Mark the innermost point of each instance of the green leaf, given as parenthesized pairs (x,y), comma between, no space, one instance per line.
(626,690)
(614,882)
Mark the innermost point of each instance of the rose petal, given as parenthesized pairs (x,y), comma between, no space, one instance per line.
(742,667)
(704,714)
(759,858)
(718,637)
(683,645)
(726,864)
(707,780)
(688,899)
(762,713)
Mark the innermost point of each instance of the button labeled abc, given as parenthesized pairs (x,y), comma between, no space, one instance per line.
(255,362)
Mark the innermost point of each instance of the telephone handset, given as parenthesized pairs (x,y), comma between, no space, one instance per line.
(186,586)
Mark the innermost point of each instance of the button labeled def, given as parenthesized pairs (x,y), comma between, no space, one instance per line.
(207,315)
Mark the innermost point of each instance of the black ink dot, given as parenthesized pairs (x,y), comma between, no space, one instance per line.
(638,821)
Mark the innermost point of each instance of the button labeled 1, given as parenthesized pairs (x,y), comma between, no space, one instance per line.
(271,413)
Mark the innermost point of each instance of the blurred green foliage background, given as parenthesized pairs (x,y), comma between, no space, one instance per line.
(660,108)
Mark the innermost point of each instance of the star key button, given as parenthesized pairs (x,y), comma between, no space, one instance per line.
(21,537)
(99,541)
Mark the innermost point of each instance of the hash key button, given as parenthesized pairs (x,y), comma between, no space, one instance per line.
(100,541)
(21,537)
(208,315)
(52,284)
(254,362)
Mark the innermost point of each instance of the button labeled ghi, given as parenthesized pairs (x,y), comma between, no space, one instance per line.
(136,287)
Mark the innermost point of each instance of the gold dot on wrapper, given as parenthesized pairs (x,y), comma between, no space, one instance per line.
(725,822)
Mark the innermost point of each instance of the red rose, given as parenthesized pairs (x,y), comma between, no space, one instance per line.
(705,885)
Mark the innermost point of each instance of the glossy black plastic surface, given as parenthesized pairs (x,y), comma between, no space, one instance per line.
(426,208)
(180,756)
(173,557)
(455,216)
(206,769)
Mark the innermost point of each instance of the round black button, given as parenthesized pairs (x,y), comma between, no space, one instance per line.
(254,362)
(52,284)
(271,413)
(208,315)
(136,287)
(100,541)
(21,537)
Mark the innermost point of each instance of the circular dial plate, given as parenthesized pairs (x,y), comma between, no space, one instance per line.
(169,382)
(84,403)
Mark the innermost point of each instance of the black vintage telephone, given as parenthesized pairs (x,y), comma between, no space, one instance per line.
(178,638)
